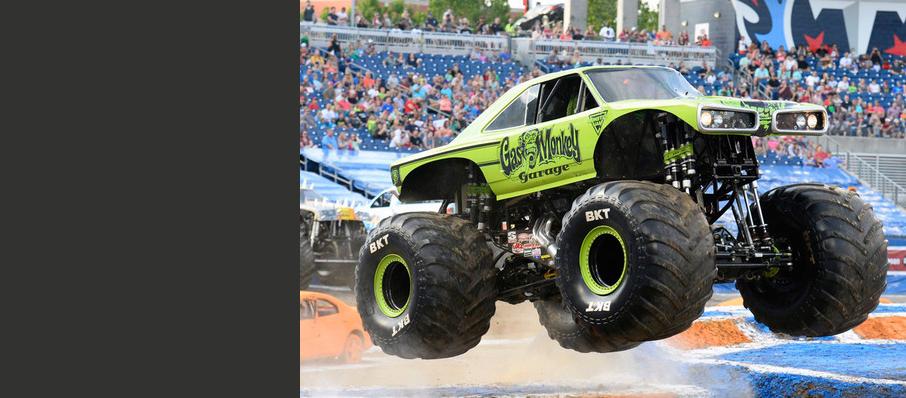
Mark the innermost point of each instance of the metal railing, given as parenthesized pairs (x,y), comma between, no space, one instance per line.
(636,53)
(893,166)
(868,169)
(870,175)
(404,41)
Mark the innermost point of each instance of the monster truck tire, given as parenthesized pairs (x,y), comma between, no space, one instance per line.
(306,261)
(839,262)
(575,334)
(636,260)
(425,285)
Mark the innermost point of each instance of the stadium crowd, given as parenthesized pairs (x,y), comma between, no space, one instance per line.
(863,93)
(410,110)
(415,110)
(540,29)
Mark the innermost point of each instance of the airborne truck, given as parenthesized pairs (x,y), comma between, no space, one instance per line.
(594,193)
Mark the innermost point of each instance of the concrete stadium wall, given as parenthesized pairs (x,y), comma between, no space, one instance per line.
(864,145)
(721,28)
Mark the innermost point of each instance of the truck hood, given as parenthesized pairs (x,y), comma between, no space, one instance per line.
(687,108)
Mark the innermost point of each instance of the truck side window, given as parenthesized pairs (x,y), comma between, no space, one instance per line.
(559,98)
(306,310)
(520,112)
(326,308)
(589,100)
(383,200)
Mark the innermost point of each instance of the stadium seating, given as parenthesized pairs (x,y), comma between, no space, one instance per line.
(368,170)
(330,190)
(436,64)
(693,76)
(835,72)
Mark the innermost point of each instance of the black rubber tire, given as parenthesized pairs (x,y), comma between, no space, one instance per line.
(839,260)
(306,261)
(452,290)
(575,334)
(670,260)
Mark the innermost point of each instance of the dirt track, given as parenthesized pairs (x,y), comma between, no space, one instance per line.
(515,354)
(725,354)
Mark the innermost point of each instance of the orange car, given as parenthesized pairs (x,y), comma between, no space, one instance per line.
(330,329)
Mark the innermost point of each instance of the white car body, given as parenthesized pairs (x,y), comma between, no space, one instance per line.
(387,204)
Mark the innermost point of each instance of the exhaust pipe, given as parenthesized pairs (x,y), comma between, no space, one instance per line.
(543,234)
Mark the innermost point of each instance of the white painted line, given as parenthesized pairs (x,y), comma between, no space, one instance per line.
(801,372)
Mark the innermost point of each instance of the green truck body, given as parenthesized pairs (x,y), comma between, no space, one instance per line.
(525,159)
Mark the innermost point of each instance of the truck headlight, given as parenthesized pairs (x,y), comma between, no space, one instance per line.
(727,119)
(812,120)
(706,119)
(801,122)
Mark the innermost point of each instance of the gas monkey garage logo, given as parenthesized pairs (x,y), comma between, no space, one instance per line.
(538,147)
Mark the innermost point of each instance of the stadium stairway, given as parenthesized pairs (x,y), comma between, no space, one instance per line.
(330,190)
(367,171)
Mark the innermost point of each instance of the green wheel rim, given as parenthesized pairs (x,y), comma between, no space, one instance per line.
(384,295)
(593,279)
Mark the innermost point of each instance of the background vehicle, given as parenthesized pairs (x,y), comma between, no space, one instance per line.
(553,14)
(328,328)
(329,239)
(594,193)
(387,203)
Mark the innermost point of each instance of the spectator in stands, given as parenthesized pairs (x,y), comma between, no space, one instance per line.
(307,120)
(397,138)
(361,22)
(606,33)
(333,47)
(683,39)
(329,141)
(328,114)
(553,58)
(342,17)
(305,141)
(761,73)
(464,26)
(308,13)
(496,27)
(405,22)
(332,16)
(430,22)
(413,62)
(663,36)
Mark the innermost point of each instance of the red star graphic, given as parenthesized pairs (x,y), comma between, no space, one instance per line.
(814,43)
(755,3)
(899,46)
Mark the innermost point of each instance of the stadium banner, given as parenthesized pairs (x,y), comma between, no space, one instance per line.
(850,24)
(896,257)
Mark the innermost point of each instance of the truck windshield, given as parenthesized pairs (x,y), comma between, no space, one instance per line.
(641,83)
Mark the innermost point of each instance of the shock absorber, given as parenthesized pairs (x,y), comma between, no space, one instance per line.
(472,196)
(662,134)
(761,226)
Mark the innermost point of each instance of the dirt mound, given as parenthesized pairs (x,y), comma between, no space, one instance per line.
(709,333)
(884,327)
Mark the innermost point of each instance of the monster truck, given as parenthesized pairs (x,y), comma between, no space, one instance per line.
(329,240)
(595,193)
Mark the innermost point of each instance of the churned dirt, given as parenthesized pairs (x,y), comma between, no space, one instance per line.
(709,333)
(884,327)
(730,302)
